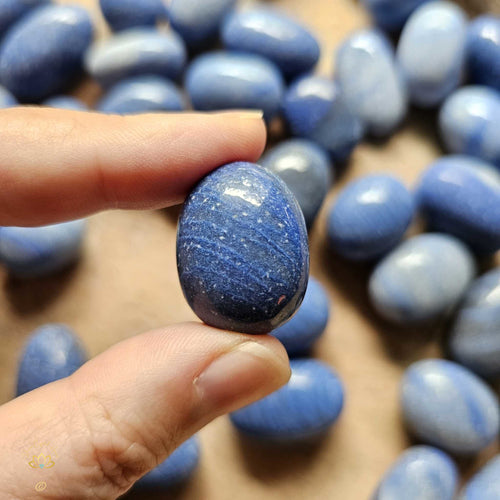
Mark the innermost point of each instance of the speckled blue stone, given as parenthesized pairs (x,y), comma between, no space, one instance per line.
(7,100)
(431,52)
(446,405)
(391,15)
(124,14)
(420,473)
(305,408)
(31,252)
(52,352)
(469,122)
(306,170)
(370,217)
(315,109)
(370,81)
(12,10)
(230,80)
(142,94)
(42,54)
(273,35)
(485,485)
(421,279)
(66,102)
(242,250)
(136,52)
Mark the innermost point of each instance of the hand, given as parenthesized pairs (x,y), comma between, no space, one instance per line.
(126,410)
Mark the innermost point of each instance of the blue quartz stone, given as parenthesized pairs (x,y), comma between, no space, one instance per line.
(31,252)
(469,122)
(461,196)
(42,54)
(370,217)
(7,100)
(142,94)
(371,82)
(420,473)
(485,485)
(300,333)
(306,170)
(446,405)
(242,250)
(66,102)
(273,35)
(125,14)
(421,279)
(12,10)
(231,80)
(315,109)
(136,52)
(391,15)
(304,409)
(431,52)
(52,352)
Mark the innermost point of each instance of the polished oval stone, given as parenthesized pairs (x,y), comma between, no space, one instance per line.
(31,252)
(142,94)
(485,485)
(306,170)
(446,405)
(52,352)
(273,35)
(12,10)
(42,54)
(391,15)
(229,80)
(431,52)
(305,408)
(242,250)
(66,102)
(7,100)
(371,82)
(370,217)
(420,473)
(461,196)
(469,122)
(308,324)
(421,279)
(125,14)
(315,108)
(136,52)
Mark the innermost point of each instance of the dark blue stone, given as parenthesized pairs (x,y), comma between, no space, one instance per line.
(485,485)
(66,102)
(124,14)
(305,408)
(12,10)
(391,15)
(242,250)
(52,352)
(7,100)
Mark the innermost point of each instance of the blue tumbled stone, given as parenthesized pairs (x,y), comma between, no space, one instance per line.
(391,15)
(66,102)
(370,217)
(52,352)
(420,473)
(485,485)
(242,250)
(125,14)
(7,100)
(305,408)
(446,405)
(12,10)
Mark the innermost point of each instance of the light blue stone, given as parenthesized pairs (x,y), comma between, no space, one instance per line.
(431,52)
(421,279)
(12,10)
(485,485)
(420,473)
(391,15)
(304,409)
(371,82)
(7,100)
(66,102)
(446,405)
(125,14)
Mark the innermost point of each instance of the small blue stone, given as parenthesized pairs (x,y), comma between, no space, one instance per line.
(12,10)
(306,170)
(7,100)
(275,36)
(370,217)
(66,102)
(42,54)
(421,279)
(485,485)
(420,473)
(304,409)
(391,15)
(242,250)
(431,52)
(52,352)
(447,406)
(125,14)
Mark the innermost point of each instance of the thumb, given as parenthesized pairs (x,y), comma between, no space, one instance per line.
(125,411)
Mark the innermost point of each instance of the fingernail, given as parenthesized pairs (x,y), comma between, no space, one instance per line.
(245,114)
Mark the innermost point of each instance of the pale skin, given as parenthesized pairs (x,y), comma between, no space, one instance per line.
(126,410)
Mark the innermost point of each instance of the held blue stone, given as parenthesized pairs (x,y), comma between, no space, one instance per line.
(447,406)
(273,35)
(66,102)
(7,100)
(12,10)
(42,54)
(420,473)
(242,250)
(391,15)
(230,80)
(421,279)
(431,52)
(485,485)
(125,14)
(52,352)
(306,170)
(370,217)
(304,409)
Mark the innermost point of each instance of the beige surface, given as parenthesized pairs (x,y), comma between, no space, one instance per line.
(127,283)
